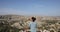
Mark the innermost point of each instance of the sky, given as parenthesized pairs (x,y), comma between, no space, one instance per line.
(30,7)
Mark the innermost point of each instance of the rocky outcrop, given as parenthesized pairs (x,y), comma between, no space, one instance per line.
(20,22)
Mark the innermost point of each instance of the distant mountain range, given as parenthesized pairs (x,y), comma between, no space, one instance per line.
(38,17)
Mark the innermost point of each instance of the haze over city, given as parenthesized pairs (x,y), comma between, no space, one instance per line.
(30,7)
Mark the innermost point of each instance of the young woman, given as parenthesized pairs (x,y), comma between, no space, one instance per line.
(33,25)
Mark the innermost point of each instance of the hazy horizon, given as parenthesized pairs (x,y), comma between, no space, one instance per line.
(30,7)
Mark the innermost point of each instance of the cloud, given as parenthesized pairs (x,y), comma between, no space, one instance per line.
(38,6)
(19,12)
(10,11)
(15,11)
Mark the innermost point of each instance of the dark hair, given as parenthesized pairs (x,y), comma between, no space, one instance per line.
(51,31)
(58,31)
(33,19)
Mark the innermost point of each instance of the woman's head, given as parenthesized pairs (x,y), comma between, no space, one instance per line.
(33,19)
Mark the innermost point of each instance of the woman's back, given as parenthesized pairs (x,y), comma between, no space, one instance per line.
(33,26)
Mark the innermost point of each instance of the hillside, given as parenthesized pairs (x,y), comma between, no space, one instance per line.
(20,22)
